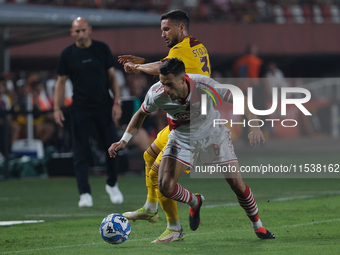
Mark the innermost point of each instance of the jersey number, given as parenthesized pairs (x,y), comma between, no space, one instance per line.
(205,67)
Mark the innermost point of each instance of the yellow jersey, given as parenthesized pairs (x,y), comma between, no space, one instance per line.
(193,54)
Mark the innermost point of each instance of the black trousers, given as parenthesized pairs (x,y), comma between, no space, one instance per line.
(83,122)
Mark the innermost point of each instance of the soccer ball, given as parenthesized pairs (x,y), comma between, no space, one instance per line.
(115,229)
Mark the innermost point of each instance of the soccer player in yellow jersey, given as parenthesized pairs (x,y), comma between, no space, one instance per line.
(175,27)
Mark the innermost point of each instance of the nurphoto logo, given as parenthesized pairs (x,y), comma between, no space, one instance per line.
(238,105)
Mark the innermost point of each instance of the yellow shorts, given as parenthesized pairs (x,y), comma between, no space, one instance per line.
(162,138)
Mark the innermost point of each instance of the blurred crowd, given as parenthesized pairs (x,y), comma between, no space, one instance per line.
(278,11)
(16,86)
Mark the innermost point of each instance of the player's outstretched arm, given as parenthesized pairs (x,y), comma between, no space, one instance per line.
(255,136)
(150,68)
(130,58)
(134,125)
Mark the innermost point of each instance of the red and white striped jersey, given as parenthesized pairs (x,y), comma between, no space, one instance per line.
(185,117)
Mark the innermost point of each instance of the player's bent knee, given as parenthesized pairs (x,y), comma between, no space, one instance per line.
(149,160)
(165,187)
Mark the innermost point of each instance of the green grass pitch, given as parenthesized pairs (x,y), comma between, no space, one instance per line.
(302,213)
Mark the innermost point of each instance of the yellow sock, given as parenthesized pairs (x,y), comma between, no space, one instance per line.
(149,158)
(168,205)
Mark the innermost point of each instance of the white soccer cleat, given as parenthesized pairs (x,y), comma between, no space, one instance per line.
(85,200)
(116,196)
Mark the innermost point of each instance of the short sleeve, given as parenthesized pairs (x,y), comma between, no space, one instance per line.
(223,93)
(174,53)
(149,105)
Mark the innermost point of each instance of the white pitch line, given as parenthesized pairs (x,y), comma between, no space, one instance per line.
(66,246)
(280,199)
(15,222)
(193,234)
(49,248)
(146,239)
(221,205)
(62,215)
(325,192)
(311,223)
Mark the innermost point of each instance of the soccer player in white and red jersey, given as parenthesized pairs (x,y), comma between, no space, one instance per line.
(175,31)
(177,94)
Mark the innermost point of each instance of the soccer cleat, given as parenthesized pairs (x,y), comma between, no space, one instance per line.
(194,214)
(263,233)
(142,214)
(170,235)
(116,196)
(85,200)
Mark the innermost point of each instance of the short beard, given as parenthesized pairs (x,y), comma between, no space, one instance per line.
(173,43)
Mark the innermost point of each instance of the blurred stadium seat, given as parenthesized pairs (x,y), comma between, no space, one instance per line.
(307,12)
(317,13)
(334,13)
(297,14)
(279,14)
(280,11)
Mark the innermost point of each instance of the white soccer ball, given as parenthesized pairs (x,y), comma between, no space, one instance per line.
(115,229)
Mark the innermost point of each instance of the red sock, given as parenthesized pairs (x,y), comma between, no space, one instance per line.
(181,194)
(248,203)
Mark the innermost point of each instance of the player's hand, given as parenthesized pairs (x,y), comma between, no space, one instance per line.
(130,67)
(255,137)
(130,58)
(59,117)
(116,112)
(116,147)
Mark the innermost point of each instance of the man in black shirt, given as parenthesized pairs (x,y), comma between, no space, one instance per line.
(89,65)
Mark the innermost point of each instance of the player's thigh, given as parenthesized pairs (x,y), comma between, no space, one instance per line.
(158,160)
(178,150)
(162,138)
(176,158)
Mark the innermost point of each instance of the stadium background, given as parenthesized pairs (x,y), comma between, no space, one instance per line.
(301,36)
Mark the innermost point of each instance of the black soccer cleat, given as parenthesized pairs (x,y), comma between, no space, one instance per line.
(194,214)
(263,233)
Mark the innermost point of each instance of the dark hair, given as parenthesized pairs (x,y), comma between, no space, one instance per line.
(178,17)
(172,65)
